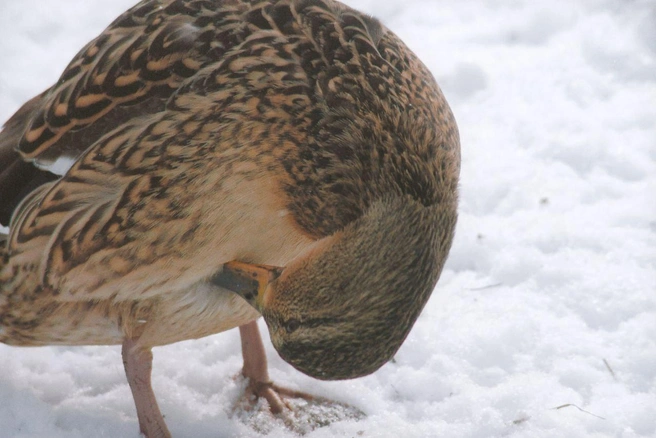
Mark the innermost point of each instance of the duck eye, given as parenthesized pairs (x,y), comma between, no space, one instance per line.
(292,325)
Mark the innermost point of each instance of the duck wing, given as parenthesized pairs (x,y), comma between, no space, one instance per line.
(154,117)
(186,117)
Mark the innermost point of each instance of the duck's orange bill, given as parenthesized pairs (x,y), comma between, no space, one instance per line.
(247,280)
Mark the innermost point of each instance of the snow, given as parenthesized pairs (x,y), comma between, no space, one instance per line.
(544,321)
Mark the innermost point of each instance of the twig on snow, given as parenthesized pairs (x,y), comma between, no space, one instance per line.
(582,410)
(610,370)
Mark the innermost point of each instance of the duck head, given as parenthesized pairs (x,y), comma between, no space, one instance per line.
(344,308)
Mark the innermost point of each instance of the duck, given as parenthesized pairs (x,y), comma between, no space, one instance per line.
(204,163)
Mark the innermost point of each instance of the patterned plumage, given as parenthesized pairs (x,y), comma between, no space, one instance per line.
(299,134)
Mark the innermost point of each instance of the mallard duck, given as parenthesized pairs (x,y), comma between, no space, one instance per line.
(205,162)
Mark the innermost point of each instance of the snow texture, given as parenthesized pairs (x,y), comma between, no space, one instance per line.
(544,321)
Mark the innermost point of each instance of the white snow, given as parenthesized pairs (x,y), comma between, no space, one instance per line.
(544,321)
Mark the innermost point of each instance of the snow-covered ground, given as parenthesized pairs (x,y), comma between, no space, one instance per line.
(544,321)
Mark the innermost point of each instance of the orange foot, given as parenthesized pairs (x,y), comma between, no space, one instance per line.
(299,411)
(276,396)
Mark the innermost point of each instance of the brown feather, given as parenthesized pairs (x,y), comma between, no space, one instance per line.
(204,132)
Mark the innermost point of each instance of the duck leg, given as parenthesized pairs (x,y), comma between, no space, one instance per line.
(256,371)
(138,362)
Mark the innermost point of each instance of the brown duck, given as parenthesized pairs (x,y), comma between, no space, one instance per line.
(295,152)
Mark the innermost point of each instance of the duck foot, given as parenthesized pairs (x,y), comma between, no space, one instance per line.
(256,371)
(276,396)
(299,411)
(295,411)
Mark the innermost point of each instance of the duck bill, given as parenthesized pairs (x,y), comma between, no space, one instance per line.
(247,280)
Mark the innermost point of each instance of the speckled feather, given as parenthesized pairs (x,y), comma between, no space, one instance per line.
(205,131)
